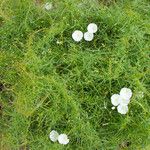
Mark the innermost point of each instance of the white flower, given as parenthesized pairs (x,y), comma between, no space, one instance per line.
(115,99)
(123,100)
(63,139)
(77,35)
(48,6)
(53,135)
(92,28)
(88,36)
(126,93)
(122,109)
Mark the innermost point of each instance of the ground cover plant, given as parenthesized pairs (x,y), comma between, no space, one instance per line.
(50,82)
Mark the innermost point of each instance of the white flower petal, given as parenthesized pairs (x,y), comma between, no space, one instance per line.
(126,93)
(88,36)
(77,35)
(53,135)
(48,6)
(115,99)
(63,139)
(92,28)
(122,109)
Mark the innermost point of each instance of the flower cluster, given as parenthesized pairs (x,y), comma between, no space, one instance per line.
(62,138)
(88,36)
(122,100)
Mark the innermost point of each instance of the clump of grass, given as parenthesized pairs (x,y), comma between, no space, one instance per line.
(67,86)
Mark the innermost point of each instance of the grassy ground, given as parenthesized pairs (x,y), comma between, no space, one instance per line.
(67,86)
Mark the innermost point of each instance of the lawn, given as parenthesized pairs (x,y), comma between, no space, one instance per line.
(50,82)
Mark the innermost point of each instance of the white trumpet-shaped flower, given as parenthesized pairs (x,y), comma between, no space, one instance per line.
(88,36)
(126,93)
(115,99)
(92,28)
(122,109)
(77,35)
(63,139)
(53,135)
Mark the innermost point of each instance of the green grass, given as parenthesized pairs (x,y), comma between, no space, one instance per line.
(67,87)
